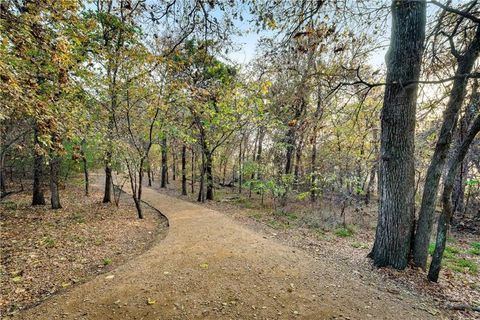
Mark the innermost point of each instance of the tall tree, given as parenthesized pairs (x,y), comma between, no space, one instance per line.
(397,166)
(465,63)
(445,216)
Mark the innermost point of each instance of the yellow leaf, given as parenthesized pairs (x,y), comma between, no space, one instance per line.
(151,301)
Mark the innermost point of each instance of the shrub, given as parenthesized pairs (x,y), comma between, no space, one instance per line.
(344,232)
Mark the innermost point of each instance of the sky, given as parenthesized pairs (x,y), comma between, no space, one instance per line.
(247,42)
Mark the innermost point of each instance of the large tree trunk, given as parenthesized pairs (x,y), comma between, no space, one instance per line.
(184,170)
(54,190)
(444,220)
(209,174)
(397,163)
(163,181)
(437,163)
(38,199)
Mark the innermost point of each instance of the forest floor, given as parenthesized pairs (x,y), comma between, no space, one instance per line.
(318,230)
(230,265)
(45,252)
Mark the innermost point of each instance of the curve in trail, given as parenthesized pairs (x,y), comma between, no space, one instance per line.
(211,267)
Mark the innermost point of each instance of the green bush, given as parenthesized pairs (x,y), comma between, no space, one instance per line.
(344,232)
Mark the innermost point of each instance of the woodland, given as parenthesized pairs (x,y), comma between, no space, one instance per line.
(346,118)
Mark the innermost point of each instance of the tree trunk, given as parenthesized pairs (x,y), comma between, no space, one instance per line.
(85,166)
(54,191)
(138,202)
(193,171)
(458,195)
(290,140)
(240,165)
(259,153)
(397,161)
(38,198)
(3,187)
(444,220)
(107,196)
(174,165)
(163,181)
(374,169)
(437,163)
(209,174)
(298,161)
(201,193)
(313,168)
(184,170)
(136,187)
(149,174)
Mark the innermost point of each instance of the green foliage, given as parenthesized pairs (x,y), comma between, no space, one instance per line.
(107,261)
(278,225)
(359,245)
(472,182)
(452,260)
(344,232)
(48,242)
(462,265)
(475,250)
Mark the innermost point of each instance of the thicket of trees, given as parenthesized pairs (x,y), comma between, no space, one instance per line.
(148,90)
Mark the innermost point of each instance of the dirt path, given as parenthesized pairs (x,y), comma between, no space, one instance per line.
(210,267)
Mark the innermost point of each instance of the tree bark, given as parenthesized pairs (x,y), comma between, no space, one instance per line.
(445,216)
(437,163)
(3,186)
(85,166)
(174,165)
(107,196)
(193,171)
(458,195)
(240,166)
(298,160)
(149,174)
(209,174)
(397,165)
(374,168)
(259,153)
(290,141)
(54,190)
(184,170)
(201,193)
(38,199)
(163,181)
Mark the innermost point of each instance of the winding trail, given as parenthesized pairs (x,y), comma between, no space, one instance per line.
(211,267)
